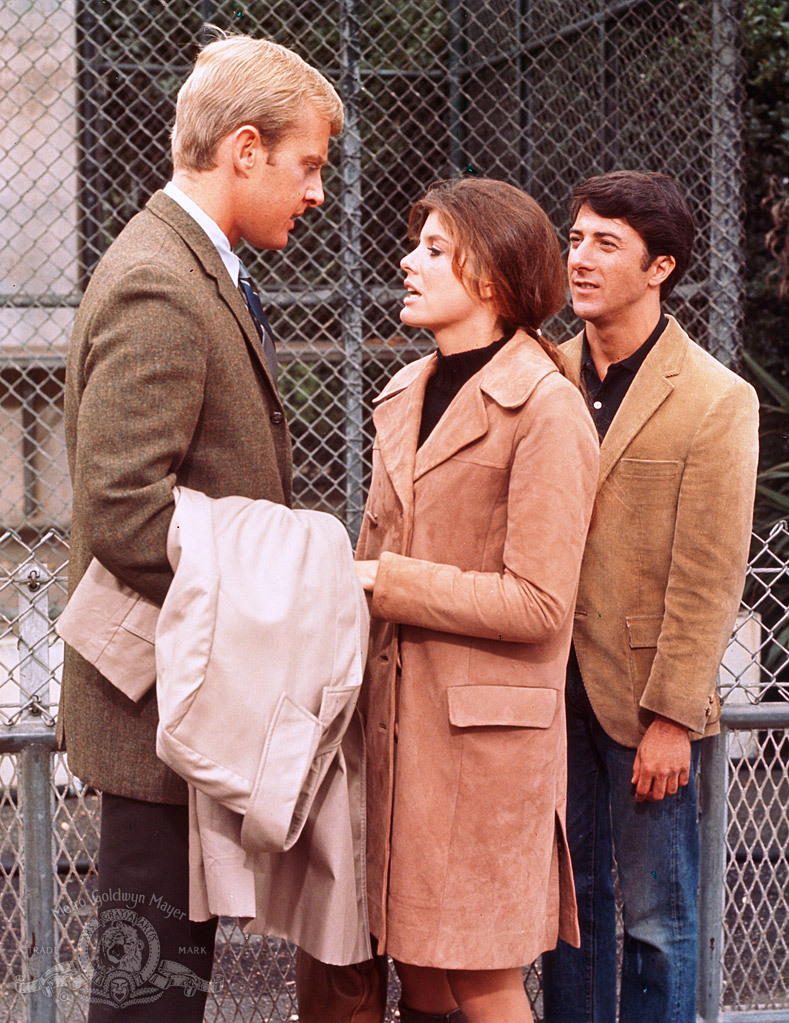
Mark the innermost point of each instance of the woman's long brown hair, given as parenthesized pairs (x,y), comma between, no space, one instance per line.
(503,239)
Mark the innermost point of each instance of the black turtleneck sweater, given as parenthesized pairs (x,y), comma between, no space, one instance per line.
(451,373)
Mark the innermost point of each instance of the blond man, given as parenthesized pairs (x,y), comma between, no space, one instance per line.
(171,379)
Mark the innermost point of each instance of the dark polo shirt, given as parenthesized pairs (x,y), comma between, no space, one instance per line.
(605,396)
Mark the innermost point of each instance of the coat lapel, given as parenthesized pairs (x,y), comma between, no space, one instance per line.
(467,423)
(397,418)
(650,388)
(508,379)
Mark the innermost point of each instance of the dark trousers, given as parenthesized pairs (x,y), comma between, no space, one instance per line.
(151,962)
(341,994)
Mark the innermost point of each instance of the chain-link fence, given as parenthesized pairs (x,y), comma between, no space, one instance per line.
(537,92)
(49,822)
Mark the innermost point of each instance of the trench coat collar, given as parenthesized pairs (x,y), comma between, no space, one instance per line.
(162,206)
(508,379)
(650,388)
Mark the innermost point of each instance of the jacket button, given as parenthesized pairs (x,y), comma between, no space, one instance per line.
(277,418)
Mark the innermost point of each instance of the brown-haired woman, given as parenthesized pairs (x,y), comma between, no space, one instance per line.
(484,472)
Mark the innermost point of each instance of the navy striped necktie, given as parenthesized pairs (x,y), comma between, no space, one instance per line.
(260,319)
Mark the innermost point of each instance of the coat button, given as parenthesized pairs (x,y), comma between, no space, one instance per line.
(277,418)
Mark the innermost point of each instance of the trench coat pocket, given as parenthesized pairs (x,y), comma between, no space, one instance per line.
(643,630)
(299,750)
(508,706)
(113,628)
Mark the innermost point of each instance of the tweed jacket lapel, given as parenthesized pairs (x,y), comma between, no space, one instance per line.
(162,206)
(650,388)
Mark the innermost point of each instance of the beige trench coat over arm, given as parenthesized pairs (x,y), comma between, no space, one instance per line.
(480,535)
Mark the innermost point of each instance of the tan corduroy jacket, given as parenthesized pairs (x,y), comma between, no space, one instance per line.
(165,384)
(665,558)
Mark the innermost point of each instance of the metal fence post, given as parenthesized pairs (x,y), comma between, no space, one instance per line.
(351,256)
(35,792)
(712,834)
(725,281)
(457,158)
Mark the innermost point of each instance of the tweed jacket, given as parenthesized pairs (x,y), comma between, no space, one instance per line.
(258,652)
(479,535)
(166,384)
(665,559)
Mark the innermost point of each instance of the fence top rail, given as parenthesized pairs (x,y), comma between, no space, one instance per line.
(759,715)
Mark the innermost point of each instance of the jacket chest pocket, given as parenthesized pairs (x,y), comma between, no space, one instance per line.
(648,491)
(649,470)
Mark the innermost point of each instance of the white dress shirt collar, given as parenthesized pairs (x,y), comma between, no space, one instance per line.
(211,228)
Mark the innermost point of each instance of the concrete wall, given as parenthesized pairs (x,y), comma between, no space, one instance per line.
(38,255)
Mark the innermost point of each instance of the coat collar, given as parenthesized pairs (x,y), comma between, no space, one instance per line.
(508,379)
(204,250)
(653,383)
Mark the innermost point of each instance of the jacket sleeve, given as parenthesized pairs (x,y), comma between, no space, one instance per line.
(142,393)
(552,482)
(708,559)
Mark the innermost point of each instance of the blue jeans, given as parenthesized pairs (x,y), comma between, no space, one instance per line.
(657,856)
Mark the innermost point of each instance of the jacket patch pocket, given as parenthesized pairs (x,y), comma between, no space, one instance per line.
(643,630)
(505,706)
(647,468)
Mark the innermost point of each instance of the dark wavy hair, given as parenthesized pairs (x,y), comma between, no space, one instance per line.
(653,205)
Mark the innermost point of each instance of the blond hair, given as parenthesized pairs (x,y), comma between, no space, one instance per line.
(239,80)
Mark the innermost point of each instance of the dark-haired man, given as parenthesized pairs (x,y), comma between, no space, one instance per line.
(660,585)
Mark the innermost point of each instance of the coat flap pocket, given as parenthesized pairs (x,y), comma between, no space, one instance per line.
(510,706)
(141,619)
(644,632)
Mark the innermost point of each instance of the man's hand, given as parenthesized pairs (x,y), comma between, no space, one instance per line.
(366,571)
(662,761)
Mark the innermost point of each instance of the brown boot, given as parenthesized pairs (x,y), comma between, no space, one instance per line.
(412,1016)
(341,994)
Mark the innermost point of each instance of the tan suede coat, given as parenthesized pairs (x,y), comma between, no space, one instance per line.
(165,383)
(480,535)
(665,560)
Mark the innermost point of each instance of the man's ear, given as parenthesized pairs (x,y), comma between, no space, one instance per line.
(246,147)
(662,267)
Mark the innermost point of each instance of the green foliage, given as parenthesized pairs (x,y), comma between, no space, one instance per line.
(773,481)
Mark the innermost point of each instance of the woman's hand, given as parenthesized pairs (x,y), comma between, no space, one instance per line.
(367,571)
